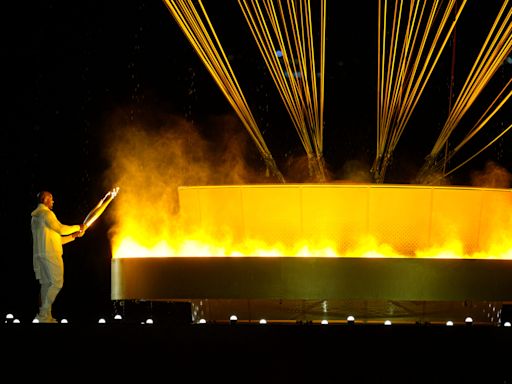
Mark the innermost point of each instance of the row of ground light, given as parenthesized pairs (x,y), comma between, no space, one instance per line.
(10,319)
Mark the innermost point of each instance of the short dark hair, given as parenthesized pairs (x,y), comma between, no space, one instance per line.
(41,195)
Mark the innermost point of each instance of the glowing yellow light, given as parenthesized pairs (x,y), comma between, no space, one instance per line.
(321,221)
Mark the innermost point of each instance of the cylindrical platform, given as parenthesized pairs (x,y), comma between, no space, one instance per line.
(418,223)
(292,278)
(305,288)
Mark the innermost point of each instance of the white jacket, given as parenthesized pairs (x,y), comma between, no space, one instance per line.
(48,232)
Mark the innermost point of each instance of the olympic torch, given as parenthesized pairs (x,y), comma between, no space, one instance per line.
(100,207)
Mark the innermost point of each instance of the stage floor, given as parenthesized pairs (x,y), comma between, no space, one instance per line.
(271,353)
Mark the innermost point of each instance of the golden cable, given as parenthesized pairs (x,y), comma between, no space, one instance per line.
(480,151)
(401,79)
(485,66)
(484,119)
(289,28)
(212,55)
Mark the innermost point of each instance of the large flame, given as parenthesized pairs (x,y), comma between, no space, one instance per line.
(157,234)
(129,244)
(148,218)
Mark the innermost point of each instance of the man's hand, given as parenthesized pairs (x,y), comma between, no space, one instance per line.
(79,233)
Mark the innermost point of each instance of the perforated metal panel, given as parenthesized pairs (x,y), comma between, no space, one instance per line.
(405,218)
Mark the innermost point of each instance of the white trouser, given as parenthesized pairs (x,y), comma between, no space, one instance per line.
(51,277)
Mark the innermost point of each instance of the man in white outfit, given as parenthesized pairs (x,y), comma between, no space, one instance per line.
(48,236)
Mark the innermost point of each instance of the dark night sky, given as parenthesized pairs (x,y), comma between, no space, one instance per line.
(69,66)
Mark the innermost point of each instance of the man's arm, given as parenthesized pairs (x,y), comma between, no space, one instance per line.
(57,226)
(69,238)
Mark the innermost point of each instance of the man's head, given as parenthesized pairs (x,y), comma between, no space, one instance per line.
(46,198)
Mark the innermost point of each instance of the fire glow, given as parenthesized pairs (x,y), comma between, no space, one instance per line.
(323,220)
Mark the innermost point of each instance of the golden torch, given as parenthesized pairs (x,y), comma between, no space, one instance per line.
(100,207)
